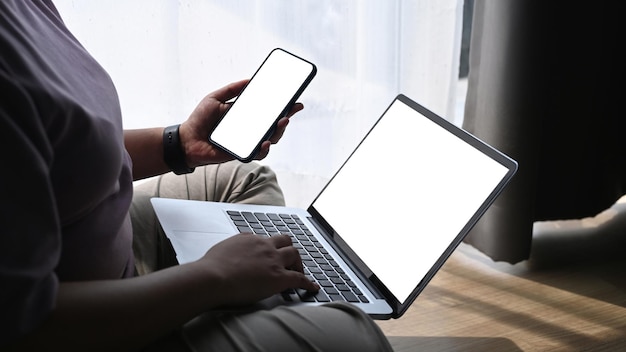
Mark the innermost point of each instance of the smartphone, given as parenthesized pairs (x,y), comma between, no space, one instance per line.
(269,95)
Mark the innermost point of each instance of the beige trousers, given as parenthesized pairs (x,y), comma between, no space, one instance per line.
(332,327)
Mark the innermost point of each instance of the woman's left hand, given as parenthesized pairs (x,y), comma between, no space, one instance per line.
(194,133)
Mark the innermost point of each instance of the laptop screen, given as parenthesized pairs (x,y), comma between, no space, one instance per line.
(400,210)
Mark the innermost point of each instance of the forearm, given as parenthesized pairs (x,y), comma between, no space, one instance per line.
(124,314)
(145,147)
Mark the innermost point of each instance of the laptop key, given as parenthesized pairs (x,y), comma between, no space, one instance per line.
(322,262)
(273,216)
(332,274)
(267,223)
(313,249)
(261,216)
(325,283)
(331,290)
(244,229)
(249,217)
(337,281)
(349,296)
(336,298)
(240,223)
(306,296)
(343,288)
(321,296)
(319,276)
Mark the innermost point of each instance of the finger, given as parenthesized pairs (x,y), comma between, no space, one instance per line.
(230,91)
(291,258)
(224,107)
(295,108)
(281,126)
(281,241)
(264,151)
(299,280)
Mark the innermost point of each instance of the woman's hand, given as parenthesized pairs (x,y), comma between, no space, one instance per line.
(251,268)
(194,133)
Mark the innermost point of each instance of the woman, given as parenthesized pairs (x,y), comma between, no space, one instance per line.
(67,266)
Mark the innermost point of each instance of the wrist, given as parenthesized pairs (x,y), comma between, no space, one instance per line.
(173,152)
(208,283)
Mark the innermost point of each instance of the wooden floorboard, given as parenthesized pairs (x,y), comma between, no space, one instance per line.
(475,304)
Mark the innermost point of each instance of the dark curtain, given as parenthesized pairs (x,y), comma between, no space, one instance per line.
(545,87)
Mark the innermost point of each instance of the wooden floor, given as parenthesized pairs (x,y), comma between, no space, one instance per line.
(571,296)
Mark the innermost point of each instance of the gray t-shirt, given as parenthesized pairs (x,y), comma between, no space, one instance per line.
(65,176)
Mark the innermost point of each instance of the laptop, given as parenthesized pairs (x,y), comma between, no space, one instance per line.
(384,224)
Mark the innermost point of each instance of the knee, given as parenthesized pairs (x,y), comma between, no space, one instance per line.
(251,183)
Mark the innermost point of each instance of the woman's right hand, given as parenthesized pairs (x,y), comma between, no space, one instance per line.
(250,268)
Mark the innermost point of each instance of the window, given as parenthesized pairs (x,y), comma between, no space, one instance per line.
(165,55)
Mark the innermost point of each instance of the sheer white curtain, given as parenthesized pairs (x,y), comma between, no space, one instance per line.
(165,55)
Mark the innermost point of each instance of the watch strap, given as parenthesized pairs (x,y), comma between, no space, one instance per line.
(173,153)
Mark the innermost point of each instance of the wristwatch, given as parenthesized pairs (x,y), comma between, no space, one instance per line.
(173,153)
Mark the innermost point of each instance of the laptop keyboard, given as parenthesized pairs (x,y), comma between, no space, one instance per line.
(319,266)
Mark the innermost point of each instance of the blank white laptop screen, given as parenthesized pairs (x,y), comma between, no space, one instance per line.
(447,182)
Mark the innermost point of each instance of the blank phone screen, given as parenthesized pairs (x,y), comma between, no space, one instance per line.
(273,88)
